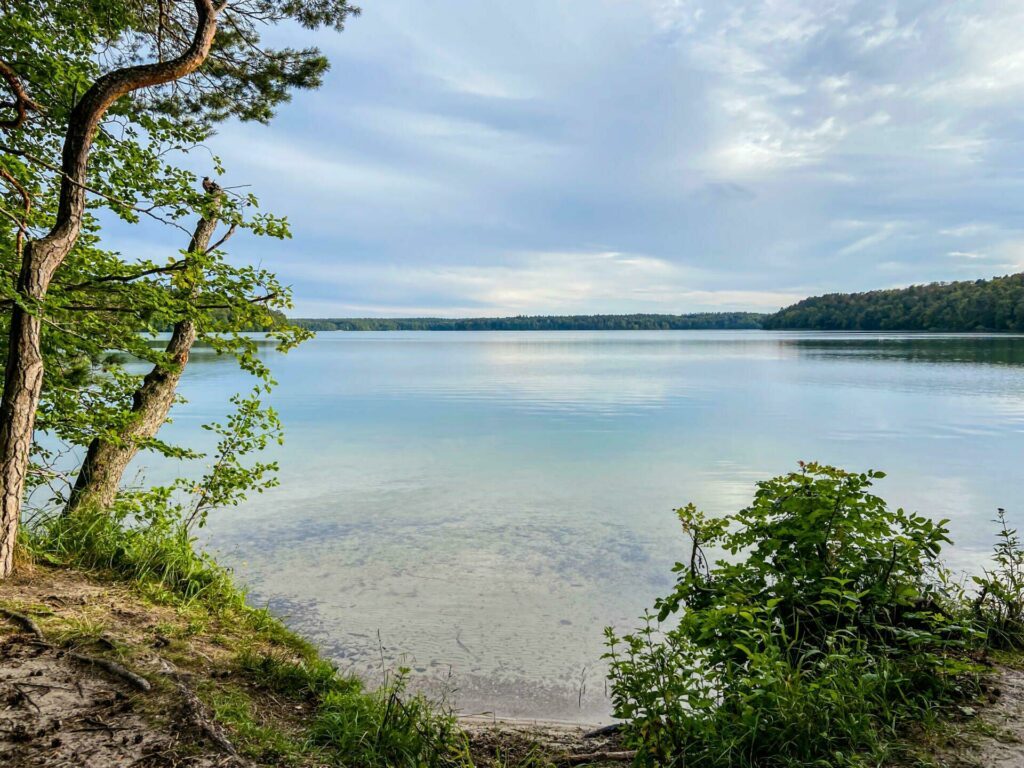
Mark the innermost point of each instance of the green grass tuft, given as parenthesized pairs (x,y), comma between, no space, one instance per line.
(310,679)
(379,728)
(256,739)
(160,559)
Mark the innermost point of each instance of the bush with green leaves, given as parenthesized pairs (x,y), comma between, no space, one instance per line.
(999,606)
(826,625)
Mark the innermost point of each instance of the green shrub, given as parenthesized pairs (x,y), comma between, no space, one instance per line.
(829,626)
(999,606)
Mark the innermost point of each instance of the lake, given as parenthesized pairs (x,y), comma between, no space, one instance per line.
(478,506)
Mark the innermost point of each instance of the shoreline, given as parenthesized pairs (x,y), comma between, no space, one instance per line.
(101,636)
(168,680)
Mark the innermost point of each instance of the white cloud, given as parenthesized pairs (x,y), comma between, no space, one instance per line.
(460,138)
(541,283)
(966,230)
(325,168)
(770,143)
(883,31)
(989,64)
(883,233)
(764,145)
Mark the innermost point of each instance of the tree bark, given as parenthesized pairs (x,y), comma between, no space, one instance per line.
(107,459)
(23,378)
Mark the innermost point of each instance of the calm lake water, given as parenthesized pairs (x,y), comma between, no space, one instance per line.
(481,505)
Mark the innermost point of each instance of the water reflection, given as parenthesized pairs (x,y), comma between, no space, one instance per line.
(488,501)
(986,350)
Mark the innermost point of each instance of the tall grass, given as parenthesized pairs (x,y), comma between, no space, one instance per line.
(999,605)
(381,728)
(159,556)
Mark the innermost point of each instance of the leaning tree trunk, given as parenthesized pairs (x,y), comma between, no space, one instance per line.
(107,459)
(23,378)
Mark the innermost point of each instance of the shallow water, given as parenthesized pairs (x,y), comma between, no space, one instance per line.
(480,505)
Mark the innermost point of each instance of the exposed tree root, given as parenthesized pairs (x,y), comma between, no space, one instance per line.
(135,680)
(23,621)
(196,714)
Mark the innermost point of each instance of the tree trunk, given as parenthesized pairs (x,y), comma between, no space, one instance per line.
(106,460)
(22,384)
(23,379)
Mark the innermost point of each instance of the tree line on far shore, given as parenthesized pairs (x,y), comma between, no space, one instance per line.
(966,306)
(973,305)
(636,322)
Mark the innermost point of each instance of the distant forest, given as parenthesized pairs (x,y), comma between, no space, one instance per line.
(979,305)
(700,321)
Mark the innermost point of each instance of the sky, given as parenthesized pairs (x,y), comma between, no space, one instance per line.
(584,156)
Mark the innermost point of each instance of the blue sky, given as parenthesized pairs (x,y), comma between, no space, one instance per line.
(575,156)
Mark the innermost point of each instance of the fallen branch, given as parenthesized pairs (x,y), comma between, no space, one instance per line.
(133,679)
(23,621)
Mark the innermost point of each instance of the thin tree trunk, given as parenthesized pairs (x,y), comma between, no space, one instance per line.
(107,459)
(22,383)
(23,378)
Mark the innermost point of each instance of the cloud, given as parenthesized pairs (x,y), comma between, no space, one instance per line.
(630,155)
(531,283)
(771,144)
(883,233)
(319,169)
(966,230)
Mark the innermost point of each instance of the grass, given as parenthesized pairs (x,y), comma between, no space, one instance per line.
(382,727)
(160,559)
(80,632)
(310,678)
(269,743)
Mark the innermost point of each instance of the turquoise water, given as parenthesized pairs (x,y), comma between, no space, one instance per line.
(480,505)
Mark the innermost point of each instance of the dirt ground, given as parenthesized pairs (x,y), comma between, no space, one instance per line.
(59,711)
(993,737)
(527,742)
(66,698)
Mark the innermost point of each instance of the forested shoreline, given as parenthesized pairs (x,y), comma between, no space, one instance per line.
(995,305)
(965,306)
(635,322)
